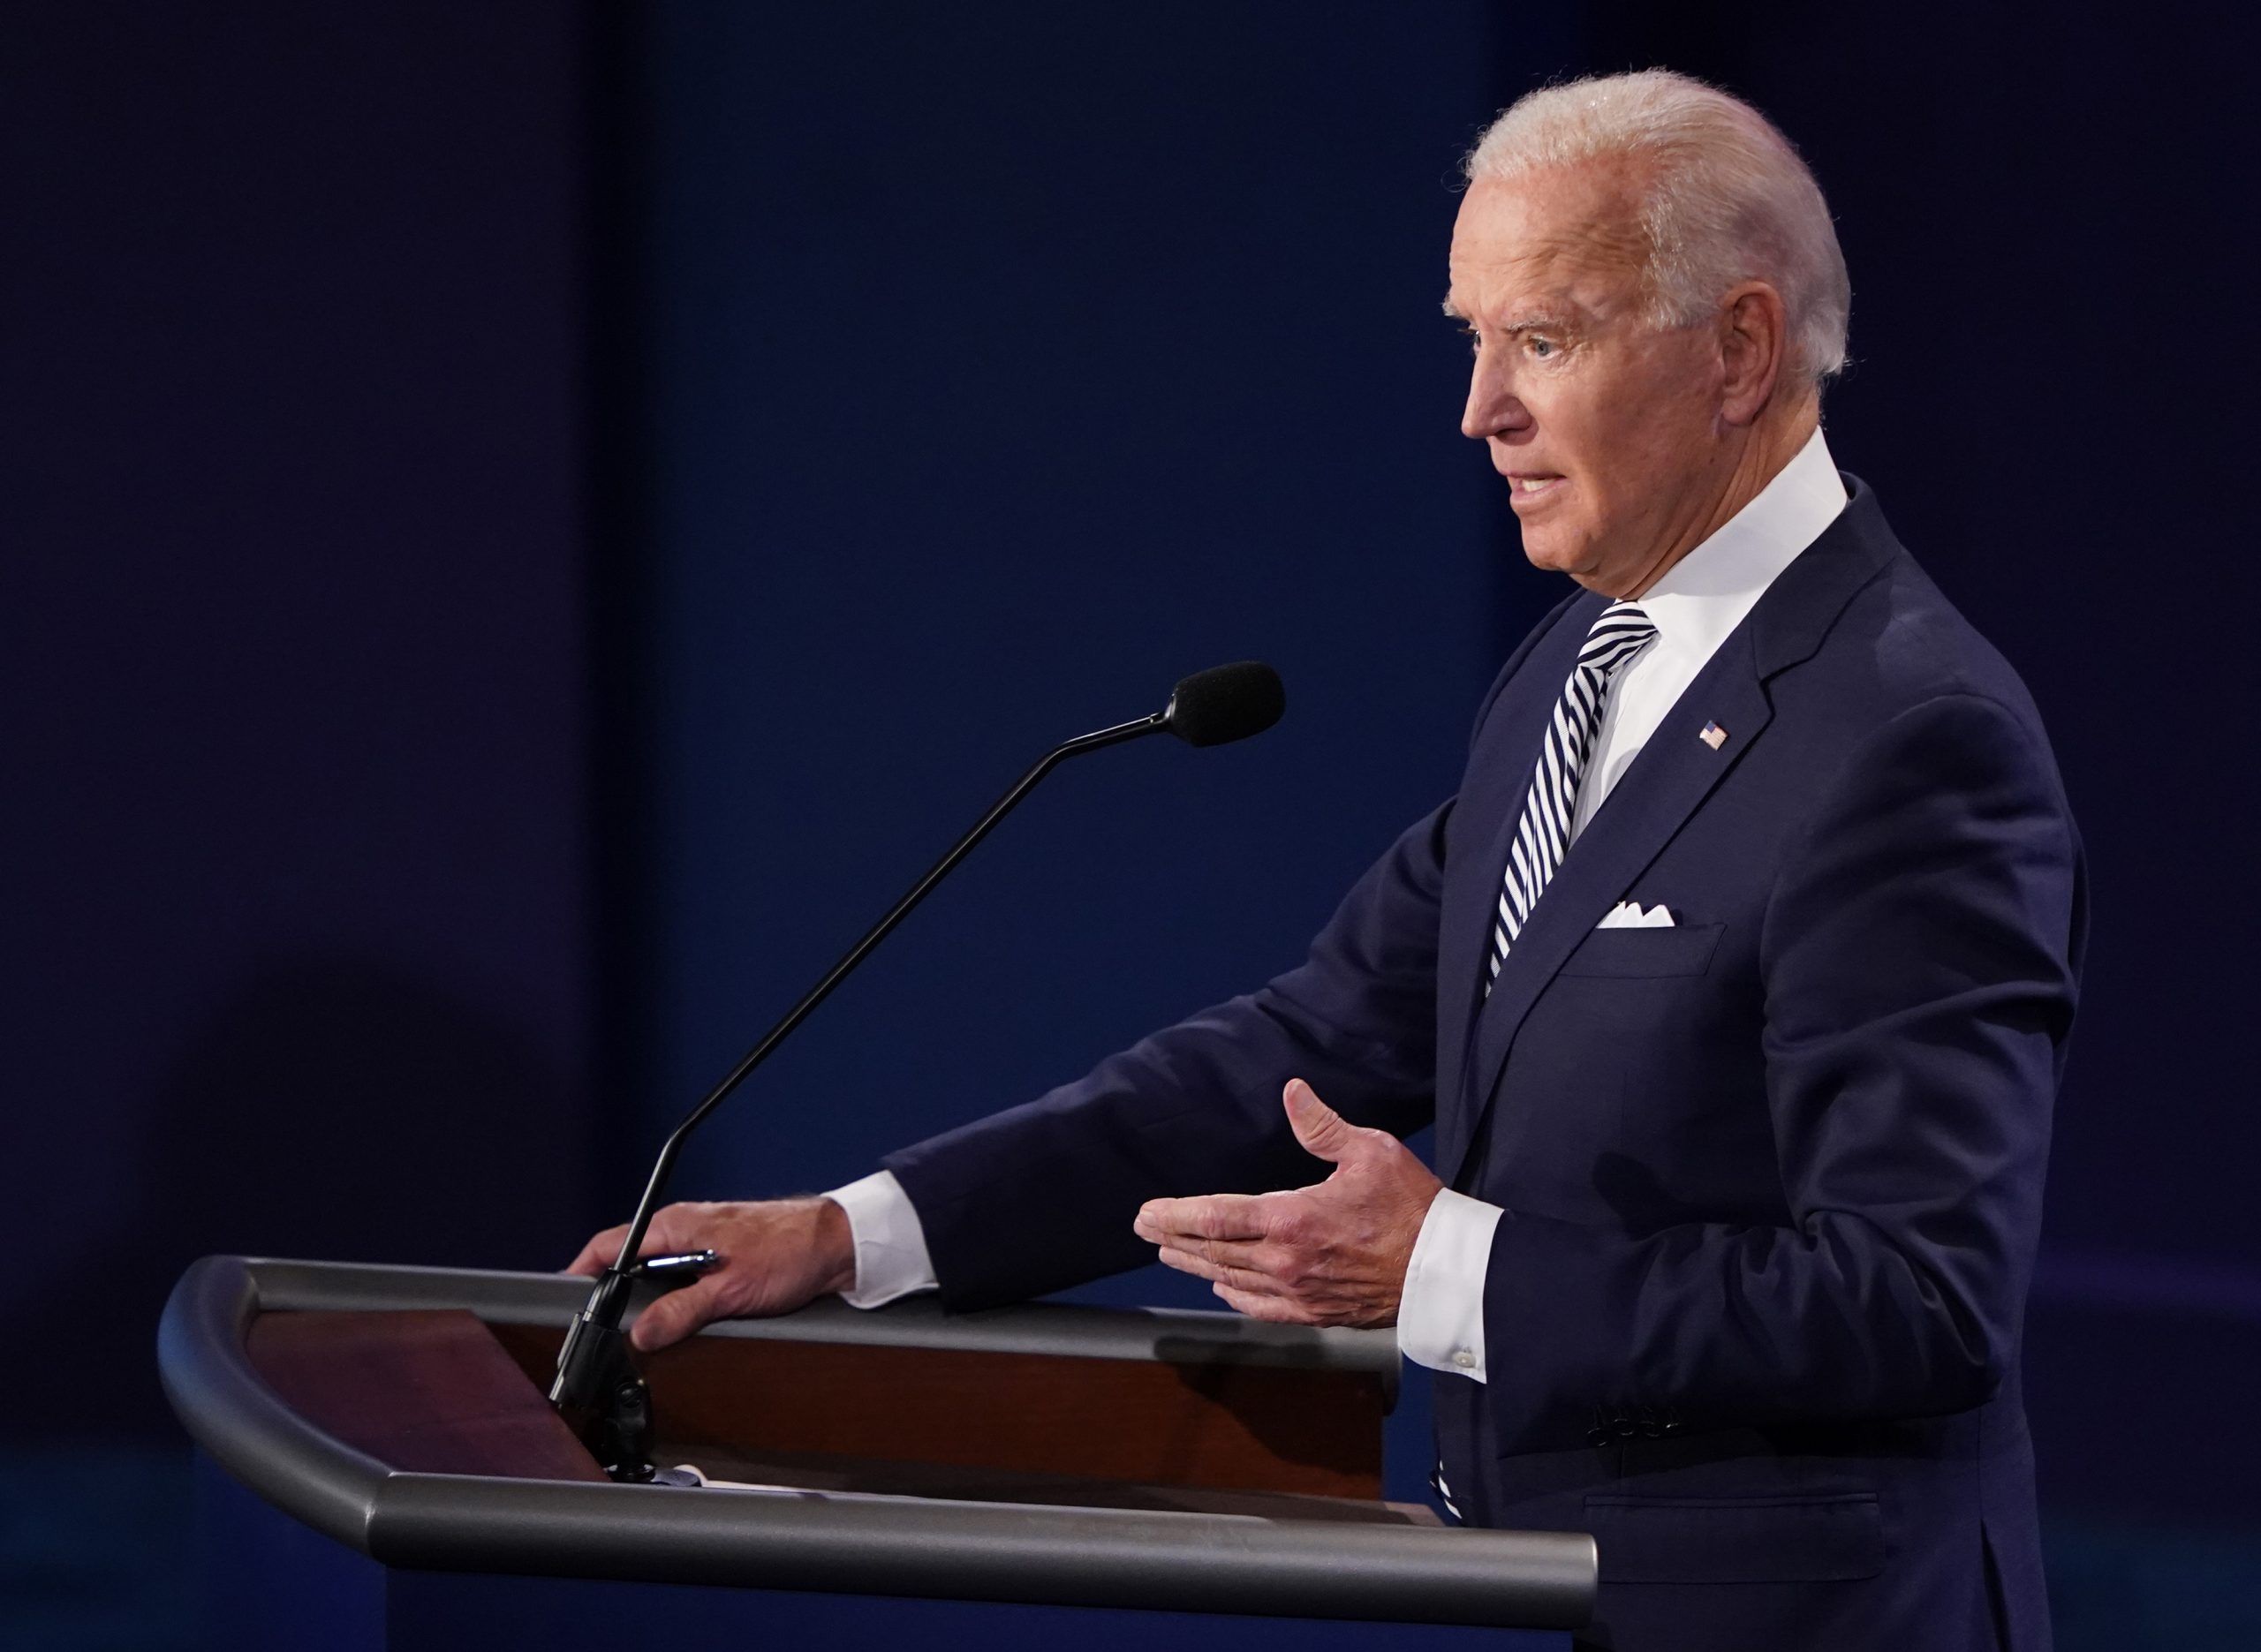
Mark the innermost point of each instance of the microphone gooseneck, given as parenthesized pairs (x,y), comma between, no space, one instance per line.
(598,1388)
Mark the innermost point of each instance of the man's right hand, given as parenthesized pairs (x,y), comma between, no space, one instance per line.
(776,1256)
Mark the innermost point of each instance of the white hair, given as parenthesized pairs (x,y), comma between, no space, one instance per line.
(1727,197)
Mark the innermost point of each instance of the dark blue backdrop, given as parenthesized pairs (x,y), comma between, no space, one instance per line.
(535,521)
(294,641)
(1001,377)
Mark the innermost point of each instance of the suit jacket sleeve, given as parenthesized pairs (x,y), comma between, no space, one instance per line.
(1919,959)
(1042,1196)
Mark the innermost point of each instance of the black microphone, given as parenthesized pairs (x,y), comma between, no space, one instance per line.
(598,1389)
(1226,703)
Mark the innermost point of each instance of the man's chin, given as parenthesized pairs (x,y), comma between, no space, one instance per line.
(1552,551)
(1567,555)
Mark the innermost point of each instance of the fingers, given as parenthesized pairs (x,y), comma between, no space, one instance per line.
(1257,1257)
(1211,1216)
(775,1256)
(1275,1309)
(1252,1281)
(670,1230)
(597,1254)
(1324,1133)
(677,1314)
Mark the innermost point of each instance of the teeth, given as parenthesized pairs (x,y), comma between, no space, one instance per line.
(1532,487)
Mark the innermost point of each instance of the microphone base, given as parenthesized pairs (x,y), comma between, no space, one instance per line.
(600,1393)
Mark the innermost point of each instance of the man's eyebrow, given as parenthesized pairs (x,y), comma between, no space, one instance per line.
(1533,321)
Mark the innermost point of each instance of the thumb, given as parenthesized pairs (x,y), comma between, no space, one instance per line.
(676,1316)
(1324,1132)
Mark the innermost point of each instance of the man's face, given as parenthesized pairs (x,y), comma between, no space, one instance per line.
(1606,427)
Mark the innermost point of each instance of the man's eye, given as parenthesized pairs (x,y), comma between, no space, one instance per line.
(1475,339)
(1539,345)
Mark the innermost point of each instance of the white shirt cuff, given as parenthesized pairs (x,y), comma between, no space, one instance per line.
(1441,1313)
(891,1258)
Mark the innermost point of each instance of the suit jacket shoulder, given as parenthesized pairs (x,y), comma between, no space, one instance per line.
(1895,642)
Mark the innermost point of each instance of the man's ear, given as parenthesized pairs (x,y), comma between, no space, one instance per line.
(1754,346)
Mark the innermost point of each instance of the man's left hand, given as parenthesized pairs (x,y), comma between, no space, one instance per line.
(1333,1254)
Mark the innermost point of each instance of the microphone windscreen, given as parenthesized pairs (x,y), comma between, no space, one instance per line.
(1226,703)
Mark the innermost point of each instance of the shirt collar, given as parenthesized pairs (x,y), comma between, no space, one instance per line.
(1705,594)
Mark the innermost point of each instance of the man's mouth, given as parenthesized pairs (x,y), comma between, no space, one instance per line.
(1532,484)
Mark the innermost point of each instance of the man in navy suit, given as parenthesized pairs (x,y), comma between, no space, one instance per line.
(1736,979)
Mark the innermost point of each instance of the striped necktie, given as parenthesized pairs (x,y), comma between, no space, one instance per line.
(1543,834)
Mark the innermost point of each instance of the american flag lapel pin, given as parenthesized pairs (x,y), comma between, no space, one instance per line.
(1714,735)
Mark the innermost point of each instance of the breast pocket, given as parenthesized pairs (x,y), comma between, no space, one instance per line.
(1684,949)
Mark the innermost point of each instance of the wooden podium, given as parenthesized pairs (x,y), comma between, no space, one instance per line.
(1079,1469)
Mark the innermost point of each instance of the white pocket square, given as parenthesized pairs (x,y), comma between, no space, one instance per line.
(1627,915)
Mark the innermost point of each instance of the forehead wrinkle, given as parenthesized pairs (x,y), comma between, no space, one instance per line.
(1586,235)
(1521,301)
(1547,293)
(1591,257)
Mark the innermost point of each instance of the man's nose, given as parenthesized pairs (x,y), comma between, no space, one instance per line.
(1493,406)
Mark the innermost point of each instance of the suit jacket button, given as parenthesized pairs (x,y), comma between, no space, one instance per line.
(1598,1432)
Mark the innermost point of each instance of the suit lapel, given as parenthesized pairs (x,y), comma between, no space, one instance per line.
(1674,774)
(1674,771)
(1490,804)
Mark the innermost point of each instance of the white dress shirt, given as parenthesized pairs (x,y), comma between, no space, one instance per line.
(1699,599)
(891,1258)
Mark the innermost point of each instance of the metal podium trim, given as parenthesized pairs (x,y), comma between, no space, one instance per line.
(1064,1328)
(865,1544)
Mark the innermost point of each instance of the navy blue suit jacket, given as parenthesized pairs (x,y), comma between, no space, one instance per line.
(1773,1176)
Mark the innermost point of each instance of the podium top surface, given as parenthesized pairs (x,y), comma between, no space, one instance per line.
(945,1546)
(1065,1329)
